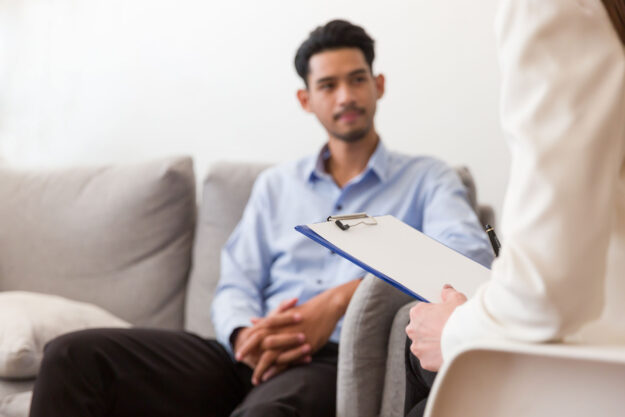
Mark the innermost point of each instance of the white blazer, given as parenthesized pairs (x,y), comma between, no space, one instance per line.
(561,272)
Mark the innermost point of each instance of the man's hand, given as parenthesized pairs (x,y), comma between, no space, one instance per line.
(252,341)
(426,326)
(318,318)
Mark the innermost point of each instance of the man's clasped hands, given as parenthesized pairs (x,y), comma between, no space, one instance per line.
(287,336)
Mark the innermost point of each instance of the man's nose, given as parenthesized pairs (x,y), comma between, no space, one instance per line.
(345,95)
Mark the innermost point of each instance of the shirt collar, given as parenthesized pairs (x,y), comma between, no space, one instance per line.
(378,164)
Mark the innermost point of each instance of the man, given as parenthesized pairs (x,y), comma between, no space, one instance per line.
(560,276)
(280,299)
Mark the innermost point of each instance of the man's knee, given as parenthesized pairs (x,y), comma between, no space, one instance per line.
(71,348)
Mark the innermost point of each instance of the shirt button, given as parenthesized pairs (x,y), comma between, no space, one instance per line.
(319,281)
(339,207)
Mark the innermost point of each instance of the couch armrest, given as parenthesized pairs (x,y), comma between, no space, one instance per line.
(363,347)
(394,393)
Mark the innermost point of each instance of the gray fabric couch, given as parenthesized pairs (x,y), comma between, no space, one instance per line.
(130,239)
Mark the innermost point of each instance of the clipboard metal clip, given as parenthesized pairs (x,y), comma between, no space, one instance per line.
(363,218)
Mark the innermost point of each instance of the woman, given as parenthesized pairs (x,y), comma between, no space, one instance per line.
(561,273)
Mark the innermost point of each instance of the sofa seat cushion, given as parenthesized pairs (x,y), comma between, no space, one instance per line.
(119,237)
(9,387)
(16,405)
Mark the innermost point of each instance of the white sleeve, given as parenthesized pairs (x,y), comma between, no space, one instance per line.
(563,113)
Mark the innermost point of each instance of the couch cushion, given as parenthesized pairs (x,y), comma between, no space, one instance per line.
(226,189)
(14,386)
(118,237)
(16,405)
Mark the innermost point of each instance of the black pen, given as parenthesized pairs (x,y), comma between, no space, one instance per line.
(490,230)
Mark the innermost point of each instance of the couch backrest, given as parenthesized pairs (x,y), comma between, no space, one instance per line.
(119,237)
(225,192)
(485,213)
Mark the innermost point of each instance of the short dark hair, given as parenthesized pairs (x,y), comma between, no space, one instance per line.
(335,34)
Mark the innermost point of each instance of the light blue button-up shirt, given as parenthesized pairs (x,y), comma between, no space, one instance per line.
(266,261)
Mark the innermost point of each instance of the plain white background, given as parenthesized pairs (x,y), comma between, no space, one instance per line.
(107,81)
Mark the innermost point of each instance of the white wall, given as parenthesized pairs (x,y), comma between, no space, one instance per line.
(92,81)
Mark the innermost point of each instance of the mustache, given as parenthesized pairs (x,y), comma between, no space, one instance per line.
(348,109)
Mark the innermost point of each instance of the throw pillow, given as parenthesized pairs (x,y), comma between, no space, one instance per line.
(30,320)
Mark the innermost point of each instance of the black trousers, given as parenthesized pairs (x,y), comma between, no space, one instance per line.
(153,373)
(418,384)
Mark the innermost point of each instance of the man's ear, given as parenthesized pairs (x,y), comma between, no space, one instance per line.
(379,85)
(304,99)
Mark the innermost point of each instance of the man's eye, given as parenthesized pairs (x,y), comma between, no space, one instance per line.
(358,80)
(325,86)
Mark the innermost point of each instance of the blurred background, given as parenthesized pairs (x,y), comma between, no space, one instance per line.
(87,82)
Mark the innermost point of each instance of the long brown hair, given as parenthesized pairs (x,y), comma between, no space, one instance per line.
(616,10)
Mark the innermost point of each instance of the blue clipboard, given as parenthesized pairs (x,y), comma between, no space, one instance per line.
(308,232)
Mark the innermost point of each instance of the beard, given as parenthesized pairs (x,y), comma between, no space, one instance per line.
(353,135)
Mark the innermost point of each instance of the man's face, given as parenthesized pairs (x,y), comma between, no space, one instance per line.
(342,93)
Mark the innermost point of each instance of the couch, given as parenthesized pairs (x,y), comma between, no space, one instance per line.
(132,240)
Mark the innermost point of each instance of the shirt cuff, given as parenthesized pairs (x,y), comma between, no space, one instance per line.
(226,330)
(233,337)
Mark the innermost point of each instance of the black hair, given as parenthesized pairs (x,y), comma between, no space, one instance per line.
(333,35)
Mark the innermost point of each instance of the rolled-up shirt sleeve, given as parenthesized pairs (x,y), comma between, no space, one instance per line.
(245,266)
(563,112)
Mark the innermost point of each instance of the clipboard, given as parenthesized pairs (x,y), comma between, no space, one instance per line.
(398,254)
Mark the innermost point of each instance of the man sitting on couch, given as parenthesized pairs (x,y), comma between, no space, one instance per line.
(281,297)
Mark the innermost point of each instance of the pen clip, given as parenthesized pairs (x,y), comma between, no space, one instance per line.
(494,241)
